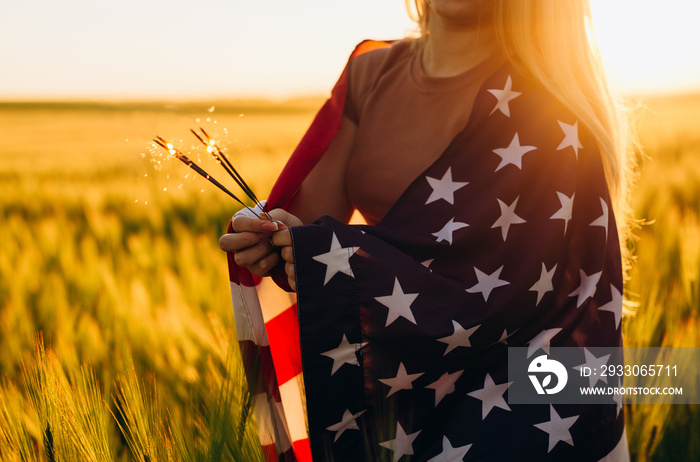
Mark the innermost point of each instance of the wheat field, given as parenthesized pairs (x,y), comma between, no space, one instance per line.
(116,331)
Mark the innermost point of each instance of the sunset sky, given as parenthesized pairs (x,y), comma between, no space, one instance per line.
(230,48)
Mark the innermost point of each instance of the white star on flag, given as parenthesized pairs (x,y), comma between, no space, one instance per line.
(570,137)
(444,385)
(445,234)
(544,284)
(444,188)
(507,218)
(402,381)
(566,211)
(449,453)
(504,97)
(343,354)
(491,396)
(402,444)
(586,288)
(513,154)
(504,337)
(617,397)
(399,304)
(542,340)
(557,428)
(487,282)
(603,219)
(337,260)
(596,364)
(459,338)
(346,423)
(615,305)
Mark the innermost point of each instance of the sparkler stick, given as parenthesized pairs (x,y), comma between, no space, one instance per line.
(186,160)
(222,159)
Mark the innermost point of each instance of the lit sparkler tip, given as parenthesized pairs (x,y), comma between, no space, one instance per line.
(218,155)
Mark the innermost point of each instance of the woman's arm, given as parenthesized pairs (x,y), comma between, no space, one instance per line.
(324,190)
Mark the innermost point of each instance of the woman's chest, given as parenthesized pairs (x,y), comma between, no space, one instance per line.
(394,144)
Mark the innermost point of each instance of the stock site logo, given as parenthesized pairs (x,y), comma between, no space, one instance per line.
(543,368)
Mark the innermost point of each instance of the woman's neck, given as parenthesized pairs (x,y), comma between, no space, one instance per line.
(451,49)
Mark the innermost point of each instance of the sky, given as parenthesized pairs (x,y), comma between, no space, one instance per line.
(155,49)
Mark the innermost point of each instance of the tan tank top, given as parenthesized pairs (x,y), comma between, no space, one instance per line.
(405,119)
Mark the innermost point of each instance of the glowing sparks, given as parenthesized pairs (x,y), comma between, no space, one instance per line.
(216,152)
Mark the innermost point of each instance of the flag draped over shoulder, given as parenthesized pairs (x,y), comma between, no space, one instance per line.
(266,316)
(402,328)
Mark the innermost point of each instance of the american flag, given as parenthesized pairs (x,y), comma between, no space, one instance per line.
(402,328)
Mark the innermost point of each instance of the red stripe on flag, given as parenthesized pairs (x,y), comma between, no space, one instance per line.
(268,370)
(237,274)
(269,453)
(302,450)
(283,334)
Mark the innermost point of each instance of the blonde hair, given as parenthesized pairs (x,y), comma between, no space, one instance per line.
(552,42)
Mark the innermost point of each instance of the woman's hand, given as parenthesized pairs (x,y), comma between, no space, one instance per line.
(252,240)
(283,240)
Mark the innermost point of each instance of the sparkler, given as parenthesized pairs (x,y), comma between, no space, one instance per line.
(222,159)
(218,154)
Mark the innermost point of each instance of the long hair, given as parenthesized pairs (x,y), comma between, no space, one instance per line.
(552,42)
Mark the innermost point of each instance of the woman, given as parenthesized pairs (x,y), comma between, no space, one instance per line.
(488,159)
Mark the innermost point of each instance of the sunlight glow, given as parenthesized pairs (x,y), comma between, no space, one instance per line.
(649,45)
(280,49)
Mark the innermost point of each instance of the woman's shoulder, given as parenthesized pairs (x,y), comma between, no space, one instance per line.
(369,61)
(371,53)
(372,58)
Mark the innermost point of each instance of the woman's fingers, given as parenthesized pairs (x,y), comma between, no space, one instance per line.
(259,259)
(264,265)
(282,238)
(291,279)
(256,239)
(286,218)
(238,241)
(242,223)
(249,256)
(287,254)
